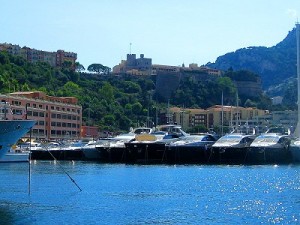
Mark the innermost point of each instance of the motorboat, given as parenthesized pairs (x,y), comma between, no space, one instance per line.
(152,147)
(190,149)
(91,149)
(295,150)
(57,151)
(13,156)
(231,148)
(271,147)
(114,150)
(11,130)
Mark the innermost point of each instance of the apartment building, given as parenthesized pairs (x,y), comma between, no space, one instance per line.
(55,59)
(233,116)
(212,117)
(57,117)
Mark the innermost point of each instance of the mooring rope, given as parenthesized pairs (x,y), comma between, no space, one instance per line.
(64,170)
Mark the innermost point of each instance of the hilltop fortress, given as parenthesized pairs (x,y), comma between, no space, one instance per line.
(172,75)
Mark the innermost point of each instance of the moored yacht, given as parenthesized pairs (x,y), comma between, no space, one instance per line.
(191,149)
(231,148)
(270,147)
(14,155)
(114,150)
(11,130)
(152,148)
(295,150)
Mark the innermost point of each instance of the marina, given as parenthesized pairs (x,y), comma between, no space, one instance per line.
(173,146)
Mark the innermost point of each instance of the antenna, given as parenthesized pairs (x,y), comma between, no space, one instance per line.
(130,48)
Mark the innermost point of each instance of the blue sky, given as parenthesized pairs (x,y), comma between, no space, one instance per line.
(171,32)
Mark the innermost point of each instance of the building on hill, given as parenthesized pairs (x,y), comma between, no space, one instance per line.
(134,66)
(143,66)
(55,59)
(57,117)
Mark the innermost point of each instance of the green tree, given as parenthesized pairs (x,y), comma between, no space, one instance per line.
(107,92)
(79,67)
(71,89)
(98,68)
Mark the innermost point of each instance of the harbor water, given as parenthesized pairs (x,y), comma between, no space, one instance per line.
(148,194)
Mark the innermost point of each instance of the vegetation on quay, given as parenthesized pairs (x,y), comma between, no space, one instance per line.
(112,102)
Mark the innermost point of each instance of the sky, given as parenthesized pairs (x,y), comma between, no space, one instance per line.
(171,32)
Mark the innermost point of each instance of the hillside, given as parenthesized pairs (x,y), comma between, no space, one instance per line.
(275,64)
(117,102)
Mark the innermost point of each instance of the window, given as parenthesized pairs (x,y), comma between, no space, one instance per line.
(42,114)
(35,114)
(53,115)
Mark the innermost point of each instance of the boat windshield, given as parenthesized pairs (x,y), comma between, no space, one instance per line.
(230,139)
(142,130)
(192,138)
(266,138)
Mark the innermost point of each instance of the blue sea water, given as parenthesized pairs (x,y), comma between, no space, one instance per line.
(148,194)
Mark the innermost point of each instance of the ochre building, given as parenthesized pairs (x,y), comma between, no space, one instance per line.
(56,117)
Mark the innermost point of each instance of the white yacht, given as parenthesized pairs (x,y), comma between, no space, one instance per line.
(231,148)
(271,147)
(151,148)
(113,149)
(11,130)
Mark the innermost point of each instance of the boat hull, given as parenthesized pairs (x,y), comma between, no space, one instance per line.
(91,154)
(146,153)
(229,155)
(57,154)
(188,154)
(295,151)
(14,157)
(111,154)
(11,131)
(268,155)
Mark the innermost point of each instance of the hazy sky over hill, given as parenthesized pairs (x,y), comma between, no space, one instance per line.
(170,32)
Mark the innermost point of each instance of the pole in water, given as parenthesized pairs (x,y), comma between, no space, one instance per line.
(29,166)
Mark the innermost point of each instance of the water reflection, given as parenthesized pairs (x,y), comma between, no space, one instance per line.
(6,216)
